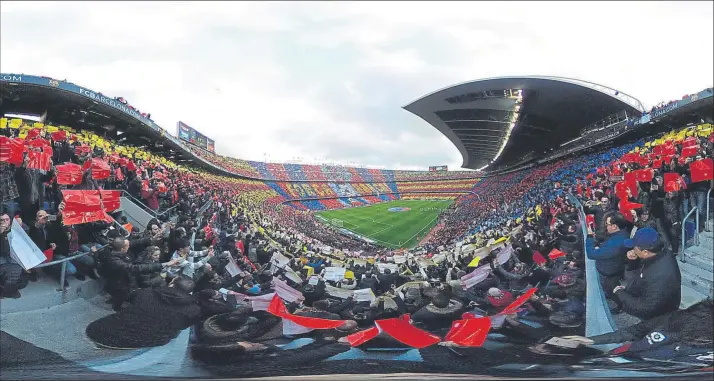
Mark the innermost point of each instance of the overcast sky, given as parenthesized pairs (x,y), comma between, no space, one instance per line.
(327,80)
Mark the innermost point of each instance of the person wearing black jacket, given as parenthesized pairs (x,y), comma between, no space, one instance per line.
(657,290)
(12,277)
(121,272)
(29,185)
(153,318)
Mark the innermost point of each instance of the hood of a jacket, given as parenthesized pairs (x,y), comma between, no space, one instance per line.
(173,297)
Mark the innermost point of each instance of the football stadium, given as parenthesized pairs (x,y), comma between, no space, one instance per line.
(576,241)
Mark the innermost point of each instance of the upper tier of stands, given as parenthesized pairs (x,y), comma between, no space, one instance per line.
(307,172)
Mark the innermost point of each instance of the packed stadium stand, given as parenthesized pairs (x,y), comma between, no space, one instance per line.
(232,273)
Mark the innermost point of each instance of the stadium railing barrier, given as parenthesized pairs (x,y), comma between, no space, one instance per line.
(684,233)
(598,319)
(77,254)
(709,195)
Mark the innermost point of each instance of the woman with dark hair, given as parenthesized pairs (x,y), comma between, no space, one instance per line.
(151,279)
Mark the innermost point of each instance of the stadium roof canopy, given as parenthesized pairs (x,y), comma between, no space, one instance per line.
(501,120)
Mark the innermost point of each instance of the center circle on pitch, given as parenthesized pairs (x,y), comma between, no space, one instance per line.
(398,209)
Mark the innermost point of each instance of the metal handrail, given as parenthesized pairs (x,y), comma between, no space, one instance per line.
(709,193)
(63,271)
(152,212)
(141,204)
(167,210)
(683,236)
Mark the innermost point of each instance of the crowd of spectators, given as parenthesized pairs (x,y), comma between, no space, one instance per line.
(308,172)
(510,253)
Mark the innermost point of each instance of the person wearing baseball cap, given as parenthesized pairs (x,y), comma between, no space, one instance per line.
(656,285)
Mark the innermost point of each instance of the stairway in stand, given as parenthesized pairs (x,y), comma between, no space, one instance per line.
(698,269)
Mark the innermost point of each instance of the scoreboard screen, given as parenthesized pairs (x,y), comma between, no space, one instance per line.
(438,168)
(189,134)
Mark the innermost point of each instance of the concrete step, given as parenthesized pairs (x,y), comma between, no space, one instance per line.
(702,262)
(696,283)
(690,297)
(706,239)
(703,251)
(61,329)
(692,268)
(44,294)
(100,301)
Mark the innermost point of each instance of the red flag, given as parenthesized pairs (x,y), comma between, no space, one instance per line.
(82,206)
(406,333)
(33,133)
(555,253)
(11,150)
(621,189)
(49,254)
(631,181)
(118,174)
(644,175)
(672,182)
(590,220)
(38,143)
(669,150)
(82,149)
(626,208)
(100,169)
(643,161)
(538,258)
(131,166)
(469,332)
(513,307)
(111,200)
(69,174)
(657,164)
(278,309)
(689,151)
(40,159)
(358,338)
(59,136)
(689,142)
(702,170)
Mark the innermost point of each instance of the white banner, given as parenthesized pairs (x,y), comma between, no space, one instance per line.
(338,292)
(286,292)
(22,249)
(232,267)
(475,277)
(398,259)
(364,295)
(279,260)
(260,303)
(290,328)
(505,254)
(393,267)
(334,274)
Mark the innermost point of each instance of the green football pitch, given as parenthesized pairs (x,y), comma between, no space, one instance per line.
(390,229)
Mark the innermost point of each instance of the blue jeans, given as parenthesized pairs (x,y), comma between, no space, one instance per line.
(11,207)
(71,269)
(88,260)
(699,199)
